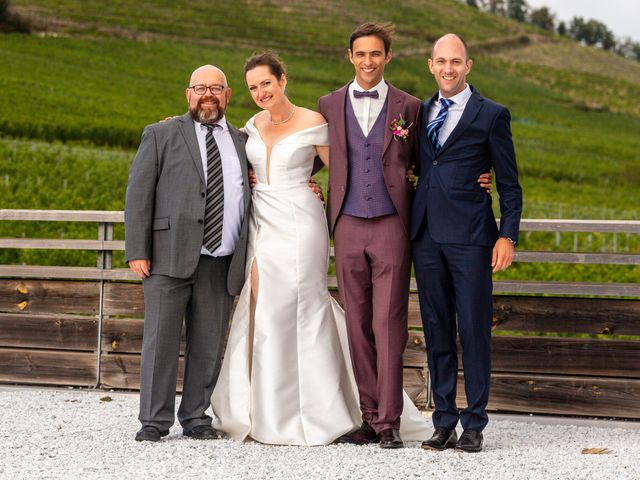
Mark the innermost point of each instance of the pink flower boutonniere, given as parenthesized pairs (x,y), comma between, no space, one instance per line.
(400,128)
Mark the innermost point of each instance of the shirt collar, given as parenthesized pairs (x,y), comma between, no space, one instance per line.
(461,98)
(222,122)
(381,88)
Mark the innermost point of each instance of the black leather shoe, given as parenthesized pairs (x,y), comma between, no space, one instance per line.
(442,438)
(202,432)
(390,438)
(149,433)
(470,441)
(363,436)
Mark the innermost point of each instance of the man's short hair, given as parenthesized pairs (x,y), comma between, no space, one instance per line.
(384,31)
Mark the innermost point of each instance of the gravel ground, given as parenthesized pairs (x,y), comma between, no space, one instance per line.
(47,433)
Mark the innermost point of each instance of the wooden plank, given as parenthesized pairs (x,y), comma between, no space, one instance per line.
(124,335)
(562,395)
(63,215)
(71,273)
(61,244)
(415,384)
(567,315)
(123,371)
(40,296)
(45,367)
(124,299)
(415,353)
(503,286)
(557,288)
(568,288)
(567,225)
(566,356)
(579,258)
(58,332)
(549,355)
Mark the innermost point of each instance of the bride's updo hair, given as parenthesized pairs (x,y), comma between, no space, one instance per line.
(269,59)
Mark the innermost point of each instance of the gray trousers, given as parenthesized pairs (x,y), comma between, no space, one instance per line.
(203,302)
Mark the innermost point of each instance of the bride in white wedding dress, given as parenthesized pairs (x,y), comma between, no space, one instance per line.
(286,377)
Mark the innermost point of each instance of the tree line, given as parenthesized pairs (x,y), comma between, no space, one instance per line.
(588,32)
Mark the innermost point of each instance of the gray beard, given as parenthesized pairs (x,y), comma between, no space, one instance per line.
(199,115)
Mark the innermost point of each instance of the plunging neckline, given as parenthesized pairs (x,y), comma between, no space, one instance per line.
(280,139)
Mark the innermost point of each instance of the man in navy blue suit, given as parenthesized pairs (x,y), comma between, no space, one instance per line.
(456,243)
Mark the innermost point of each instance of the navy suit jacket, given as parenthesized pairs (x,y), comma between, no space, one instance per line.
(456,209)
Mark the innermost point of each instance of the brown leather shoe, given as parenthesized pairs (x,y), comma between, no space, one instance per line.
(363,436)
(390,438)
(442,438)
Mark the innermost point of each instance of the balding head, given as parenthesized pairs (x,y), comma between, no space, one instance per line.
(451,39)
(208,75)
(208,107)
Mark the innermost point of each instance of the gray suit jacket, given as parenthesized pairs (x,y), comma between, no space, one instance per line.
(165,202)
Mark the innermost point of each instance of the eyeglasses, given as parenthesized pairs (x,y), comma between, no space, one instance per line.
(202,89)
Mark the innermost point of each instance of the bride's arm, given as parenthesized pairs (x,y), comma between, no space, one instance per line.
(323,153)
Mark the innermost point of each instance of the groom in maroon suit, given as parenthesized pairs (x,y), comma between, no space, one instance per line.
(372,130)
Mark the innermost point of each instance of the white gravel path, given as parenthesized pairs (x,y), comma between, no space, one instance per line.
(48,433)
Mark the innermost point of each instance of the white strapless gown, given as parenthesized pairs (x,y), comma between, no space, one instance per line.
(292,382)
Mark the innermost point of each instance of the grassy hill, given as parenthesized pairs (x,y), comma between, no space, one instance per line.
(95,72)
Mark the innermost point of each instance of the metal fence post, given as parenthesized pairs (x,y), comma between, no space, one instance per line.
(105,257)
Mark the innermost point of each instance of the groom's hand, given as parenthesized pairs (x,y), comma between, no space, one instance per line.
(142,268)
(411,178)
(485,181)
(253,180)
(503,252)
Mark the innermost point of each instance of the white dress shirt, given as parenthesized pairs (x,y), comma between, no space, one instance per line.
(233,185)
(367,109)
(455,112)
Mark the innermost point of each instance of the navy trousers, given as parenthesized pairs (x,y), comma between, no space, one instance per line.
(455,291)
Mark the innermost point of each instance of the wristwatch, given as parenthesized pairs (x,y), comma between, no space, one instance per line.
(513,243)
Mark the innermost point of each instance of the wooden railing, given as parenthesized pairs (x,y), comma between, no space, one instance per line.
(72,325)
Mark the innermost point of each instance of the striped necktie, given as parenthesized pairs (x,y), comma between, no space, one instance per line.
(434,126)
(214,205)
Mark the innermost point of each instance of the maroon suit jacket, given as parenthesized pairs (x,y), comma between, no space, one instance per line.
(398,155)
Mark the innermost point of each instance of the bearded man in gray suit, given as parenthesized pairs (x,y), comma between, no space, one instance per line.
(186,199)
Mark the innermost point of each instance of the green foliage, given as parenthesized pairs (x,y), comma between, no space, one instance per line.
(305,26)
(40,175)
(543,18)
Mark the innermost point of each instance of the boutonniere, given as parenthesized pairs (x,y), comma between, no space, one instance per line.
(400,128)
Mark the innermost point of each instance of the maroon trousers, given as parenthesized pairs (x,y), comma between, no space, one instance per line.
(373,261)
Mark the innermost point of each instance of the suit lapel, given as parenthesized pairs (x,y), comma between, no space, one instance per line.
(426,107)
(340,97)
(395,107)
(187,129)
(470,111)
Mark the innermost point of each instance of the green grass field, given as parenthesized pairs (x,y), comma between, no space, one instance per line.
(76,98)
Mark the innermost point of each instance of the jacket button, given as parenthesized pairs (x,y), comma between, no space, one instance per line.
(200,221)
(435,162)
(202,194)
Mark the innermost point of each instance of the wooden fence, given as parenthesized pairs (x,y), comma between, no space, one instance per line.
(82,326)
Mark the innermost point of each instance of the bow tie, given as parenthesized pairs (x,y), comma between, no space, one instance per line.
(359,94)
